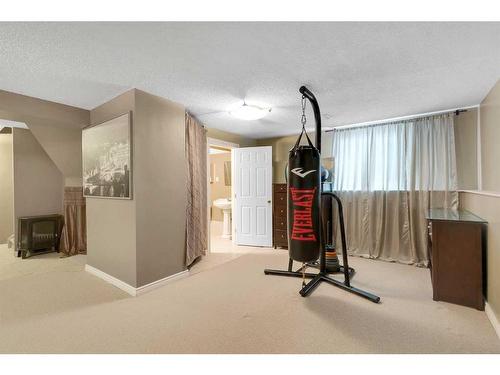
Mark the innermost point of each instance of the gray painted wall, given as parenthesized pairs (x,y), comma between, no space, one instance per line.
(488,207)
(490,136)
(63,144)
(19,107)
(466,149)
(38,183)
(111,223)
(142,240)
(57,127)
(160,187)
(6,187)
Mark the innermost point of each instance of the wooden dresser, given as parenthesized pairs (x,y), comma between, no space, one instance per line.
(456,240)
(280,238)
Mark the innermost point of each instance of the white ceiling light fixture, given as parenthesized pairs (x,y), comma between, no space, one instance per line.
(249,112)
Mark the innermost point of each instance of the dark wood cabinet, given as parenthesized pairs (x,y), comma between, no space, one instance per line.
(456,254)
(280,238)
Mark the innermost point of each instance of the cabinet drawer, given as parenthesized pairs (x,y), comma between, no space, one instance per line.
(280,188)
(280,211)
(280,223)
(280,238)
(280,199)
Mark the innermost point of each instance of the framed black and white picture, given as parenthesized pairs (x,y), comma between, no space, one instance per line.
(107,159)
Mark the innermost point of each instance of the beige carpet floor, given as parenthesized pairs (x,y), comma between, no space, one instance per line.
(12,266)
(232,307)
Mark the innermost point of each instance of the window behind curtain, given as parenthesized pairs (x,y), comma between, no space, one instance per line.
(417,154)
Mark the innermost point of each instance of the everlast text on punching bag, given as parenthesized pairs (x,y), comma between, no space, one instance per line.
(304,203)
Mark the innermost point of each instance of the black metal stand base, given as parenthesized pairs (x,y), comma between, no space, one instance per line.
(317,278)
(320,277)
(323,275)
(289,272)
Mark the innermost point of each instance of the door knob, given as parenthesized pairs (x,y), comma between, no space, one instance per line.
(268,201)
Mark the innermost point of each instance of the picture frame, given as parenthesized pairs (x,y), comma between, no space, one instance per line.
(107,159)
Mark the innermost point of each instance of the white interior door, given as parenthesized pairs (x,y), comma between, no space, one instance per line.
(252,209)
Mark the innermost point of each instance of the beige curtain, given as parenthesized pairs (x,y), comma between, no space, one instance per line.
(74,234)
(196,209)
(387,176)
(390,225)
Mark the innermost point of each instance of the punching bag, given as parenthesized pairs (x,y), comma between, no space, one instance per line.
(304,201)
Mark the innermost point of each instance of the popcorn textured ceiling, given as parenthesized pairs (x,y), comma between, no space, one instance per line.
(358,71)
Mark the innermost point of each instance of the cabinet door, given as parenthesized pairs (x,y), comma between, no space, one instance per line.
(457,263)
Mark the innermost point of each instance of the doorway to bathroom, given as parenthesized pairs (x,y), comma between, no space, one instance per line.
(220,193)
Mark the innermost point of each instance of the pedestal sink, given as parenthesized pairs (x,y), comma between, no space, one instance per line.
(225,205)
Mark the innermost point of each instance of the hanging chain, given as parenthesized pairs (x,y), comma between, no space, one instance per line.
(303,118)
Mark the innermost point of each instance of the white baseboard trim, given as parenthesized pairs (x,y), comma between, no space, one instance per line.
(133,291)
(112,280)
(158,283)
(493,319)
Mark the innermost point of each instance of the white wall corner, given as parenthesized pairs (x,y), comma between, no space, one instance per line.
(133,291)
(493,318)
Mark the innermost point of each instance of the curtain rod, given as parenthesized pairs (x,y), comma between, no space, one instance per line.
(195,119)
(457,111)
